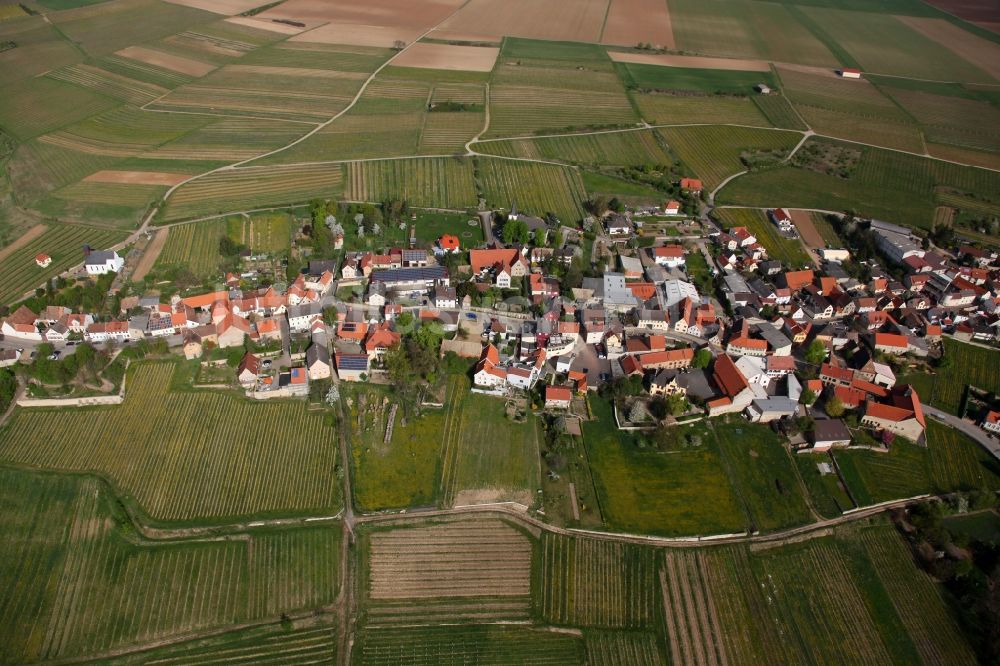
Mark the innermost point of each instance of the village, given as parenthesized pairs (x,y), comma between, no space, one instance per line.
(815,350)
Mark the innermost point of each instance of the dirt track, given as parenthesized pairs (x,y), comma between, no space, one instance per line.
(151,254)
(32,233)
(136,177)
(806,228)
(696,62)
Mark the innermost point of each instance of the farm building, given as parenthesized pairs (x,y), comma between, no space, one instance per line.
(692,185)
(828,433)
(850,73)
(991,422)
(43,260)
(248,370)
(782,219)
(763,88)
(293,381)
(671,256)
(672,208)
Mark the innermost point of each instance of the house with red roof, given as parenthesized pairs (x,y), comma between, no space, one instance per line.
(43,260)
(890,343)
(669,359)
(672,208)
(488,373)
(449,243)
(991,422)
(379,340)
(692,185)
(901,414)
(558,397)
(734,389)
(20,324)
(671,256)
(796,280)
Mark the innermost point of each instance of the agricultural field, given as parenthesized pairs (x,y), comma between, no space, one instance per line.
(886,45)
(31,108)
(246,188)
(442,182)
(622,648)
(788,251)
(714,153)
(873,476)
(18,271)
(967,365)
(476,570)
(690,610)
(468,644)
(118,204)
(619,148)
(934,633)
(780,112)
(87,583)
(179,465)
(967,123)
(591,583)
(690,79)
(887,185)
(447,131)
(676,493)
(762,475)
(487,457)
(194,246)
(305,642)
(957,462)
(555,88)
(537,188)
(826,492)
(666,109)
(225,140)
(262,232)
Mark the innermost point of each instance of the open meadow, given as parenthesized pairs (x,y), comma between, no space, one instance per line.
(86,583)
(674,493)
(967,365)
(788,251)
(186,455)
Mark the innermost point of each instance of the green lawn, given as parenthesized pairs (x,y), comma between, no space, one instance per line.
(827,493)
(958,463)
(788,251)
(983,526)
(402,473)
(732,82)
(599,183)
(677,493)
(761,471)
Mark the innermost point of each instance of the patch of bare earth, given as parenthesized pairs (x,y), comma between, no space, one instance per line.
(270,26)
(151,254)
(446,56)
(578,21)
(694,62)
(982,12)
(982,53)
(30,235)
(137,177)
(226,7)
(964,156)
(632,21)
(804,224)
(174,63)
(491,496)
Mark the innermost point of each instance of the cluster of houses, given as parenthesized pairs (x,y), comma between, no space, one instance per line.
(644,321)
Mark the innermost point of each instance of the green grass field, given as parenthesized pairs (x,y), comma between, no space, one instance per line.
(665,109)
(709,81)
(261,232)
(406,471)
(762,475)
(788,251)
(185,455)
(679,493)
(887,185)
(958,463)
(19,273)
(87,583)
(488,457)
(826,492)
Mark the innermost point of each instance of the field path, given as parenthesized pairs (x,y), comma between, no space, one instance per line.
(30,235)
(151,254)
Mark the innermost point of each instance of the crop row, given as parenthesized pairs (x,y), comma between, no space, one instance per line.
(595,583)
(699,109)
(618,148)
(108,83)
(240,189)
(425,182)
(621,648)
(194,245)
(537,188)
(713,152)
(19,273)
(693,626)
(519,110)
(184,455)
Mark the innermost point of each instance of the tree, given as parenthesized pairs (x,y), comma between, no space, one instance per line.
(557,238)
(835,407)
(8,387)
(598,206)
(808,397)
(702,358)
(816,352)
(397,365)
(515,231)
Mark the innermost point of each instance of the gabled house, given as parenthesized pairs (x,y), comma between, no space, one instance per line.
(488,373)
(318,362)
(248,370)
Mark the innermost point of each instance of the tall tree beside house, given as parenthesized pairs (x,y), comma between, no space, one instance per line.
(816,352)
(702,358)
(8,387)
(834,407)
(515,231)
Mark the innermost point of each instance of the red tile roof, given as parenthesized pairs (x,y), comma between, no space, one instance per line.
(728,377)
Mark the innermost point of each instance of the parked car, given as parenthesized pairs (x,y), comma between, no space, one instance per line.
(54,356)
(470,315)
(266,363)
